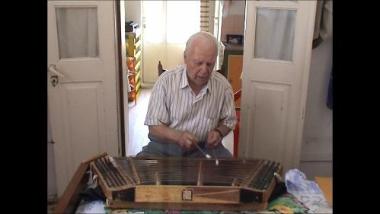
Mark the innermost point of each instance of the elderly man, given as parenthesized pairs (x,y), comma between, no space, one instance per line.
(192,104)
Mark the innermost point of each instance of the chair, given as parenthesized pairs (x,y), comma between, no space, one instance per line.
(160,69)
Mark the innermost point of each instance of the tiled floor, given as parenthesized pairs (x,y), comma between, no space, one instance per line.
(138,132)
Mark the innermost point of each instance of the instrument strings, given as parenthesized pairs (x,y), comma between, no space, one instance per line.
(186,171)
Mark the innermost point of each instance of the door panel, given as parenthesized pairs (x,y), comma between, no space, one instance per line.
(276,61)
(89,128)
(268,116)
(82,103)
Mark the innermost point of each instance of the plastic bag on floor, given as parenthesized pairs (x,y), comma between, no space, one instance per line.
(306,191)
(91,207)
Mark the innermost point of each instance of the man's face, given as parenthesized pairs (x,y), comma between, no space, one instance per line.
(200,61)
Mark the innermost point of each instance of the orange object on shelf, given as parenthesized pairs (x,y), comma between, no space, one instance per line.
(131,62)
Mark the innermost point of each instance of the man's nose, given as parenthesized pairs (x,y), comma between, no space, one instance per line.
(204,68)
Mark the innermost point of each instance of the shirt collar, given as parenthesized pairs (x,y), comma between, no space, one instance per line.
(184,81)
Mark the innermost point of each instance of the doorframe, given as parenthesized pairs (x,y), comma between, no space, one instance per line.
(304,88)
(120,30)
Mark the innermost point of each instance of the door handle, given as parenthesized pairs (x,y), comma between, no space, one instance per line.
(54,78)
(52,68)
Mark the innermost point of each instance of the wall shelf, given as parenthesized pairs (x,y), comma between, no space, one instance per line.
(134,58)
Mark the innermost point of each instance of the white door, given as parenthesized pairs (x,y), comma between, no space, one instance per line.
(82,86)
(276,61)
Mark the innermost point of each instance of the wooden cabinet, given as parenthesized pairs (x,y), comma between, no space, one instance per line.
(134,62)
(233,66)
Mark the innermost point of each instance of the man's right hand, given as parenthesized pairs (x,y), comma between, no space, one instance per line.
(162,133)
(187,140)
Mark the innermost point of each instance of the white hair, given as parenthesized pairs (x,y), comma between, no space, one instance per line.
(204,35)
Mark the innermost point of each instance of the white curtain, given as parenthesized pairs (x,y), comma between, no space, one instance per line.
(167,26)
(77,32)
(275,34)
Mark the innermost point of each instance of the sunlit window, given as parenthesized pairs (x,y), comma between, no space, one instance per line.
(154,21)
(183,19)
(171,21)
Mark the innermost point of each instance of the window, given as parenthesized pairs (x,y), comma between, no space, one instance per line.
(275,34)
(171,21)
(77,32)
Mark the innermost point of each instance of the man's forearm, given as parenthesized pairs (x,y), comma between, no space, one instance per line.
(163,134)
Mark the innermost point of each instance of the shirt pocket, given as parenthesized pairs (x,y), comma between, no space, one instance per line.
(209,122)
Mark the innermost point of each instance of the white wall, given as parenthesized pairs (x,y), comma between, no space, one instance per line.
(232,18)
(316,155)
(133,11)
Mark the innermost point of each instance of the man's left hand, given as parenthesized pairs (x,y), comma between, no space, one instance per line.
(213,139)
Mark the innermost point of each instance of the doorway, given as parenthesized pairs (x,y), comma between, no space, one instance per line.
(164,38)
(165,34)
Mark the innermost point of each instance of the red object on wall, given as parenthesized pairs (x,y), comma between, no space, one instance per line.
(237,96)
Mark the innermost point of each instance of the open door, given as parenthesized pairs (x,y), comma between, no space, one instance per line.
(276,61)
(82,83)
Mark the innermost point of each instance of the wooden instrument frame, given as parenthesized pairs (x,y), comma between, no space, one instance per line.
(156,196)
